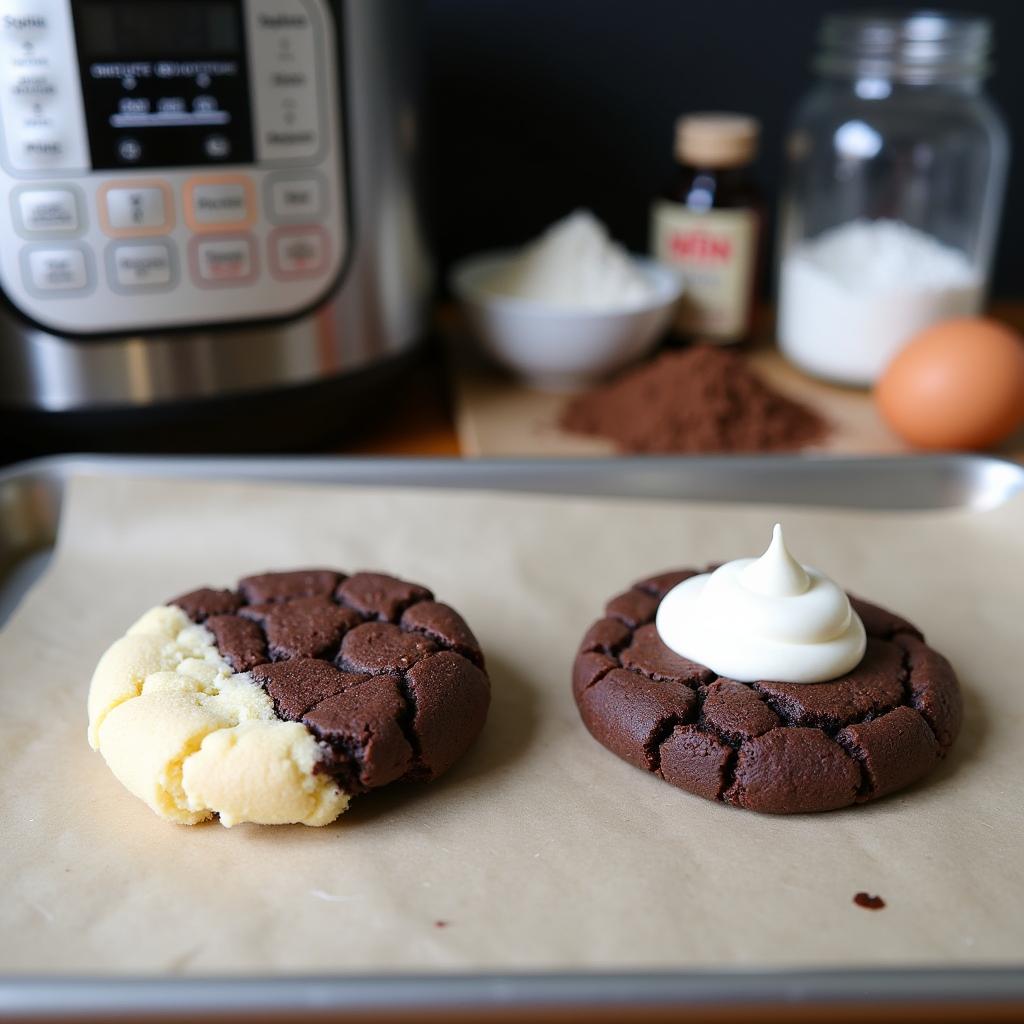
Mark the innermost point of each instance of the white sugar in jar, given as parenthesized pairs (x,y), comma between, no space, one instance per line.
(852,297)
(895,170)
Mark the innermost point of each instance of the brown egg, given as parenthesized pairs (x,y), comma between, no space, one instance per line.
(956,385)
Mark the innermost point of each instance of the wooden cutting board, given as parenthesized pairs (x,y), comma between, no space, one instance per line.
(497,415)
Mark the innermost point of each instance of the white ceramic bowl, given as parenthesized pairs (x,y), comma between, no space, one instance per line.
(556,348)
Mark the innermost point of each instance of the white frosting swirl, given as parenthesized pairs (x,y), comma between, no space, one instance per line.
(767,618)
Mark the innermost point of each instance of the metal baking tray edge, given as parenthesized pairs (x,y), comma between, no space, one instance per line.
(30,502)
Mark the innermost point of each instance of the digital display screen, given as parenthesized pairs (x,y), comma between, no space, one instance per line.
(165,82)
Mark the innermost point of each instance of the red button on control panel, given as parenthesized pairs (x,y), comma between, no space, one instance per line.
(298,252)
(222,262)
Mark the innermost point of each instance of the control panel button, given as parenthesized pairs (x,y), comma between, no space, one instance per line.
(298,252)
(136,208)
(42,150)
(140,209)
(217,147)
(294,199)
(218,203)
(223,261)
(129,150)
(40,211)
(56,270)
(140,267)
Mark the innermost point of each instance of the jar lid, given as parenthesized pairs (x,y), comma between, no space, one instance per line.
(919,47)
(716,139)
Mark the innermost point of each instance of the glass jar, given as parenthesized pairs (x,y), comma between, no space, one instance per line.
(896,169)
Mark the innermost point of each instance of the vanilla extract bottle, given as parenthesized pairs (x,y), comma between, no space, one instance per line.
(708,225)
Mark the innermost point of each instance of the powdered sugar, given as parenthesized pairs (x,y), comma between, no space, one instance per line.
(853,296)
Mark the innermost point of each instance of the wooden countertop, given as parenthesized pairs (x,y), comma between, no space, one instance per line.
(422,422)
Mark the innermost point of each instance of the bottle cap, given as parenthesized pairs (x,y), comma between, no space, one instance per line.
(716,139)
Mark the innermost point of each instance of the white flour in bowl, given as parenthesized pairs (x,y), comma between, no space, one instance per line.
(853,296)
(575,265)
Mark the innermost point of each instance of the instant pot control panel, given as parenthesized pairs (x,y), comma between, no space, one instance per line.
(169,163)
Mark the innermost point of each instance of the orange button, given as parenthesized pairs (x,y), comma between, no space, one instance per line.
(220,202)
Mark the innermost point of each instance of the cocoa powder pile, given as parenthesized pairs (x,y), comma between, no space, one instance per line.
(701,399)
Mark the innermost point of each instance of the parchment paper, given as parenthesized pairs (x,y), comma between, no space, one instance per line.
(540,849)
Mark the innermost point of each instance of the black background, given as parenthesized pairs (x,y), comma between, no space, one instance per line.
(540,106)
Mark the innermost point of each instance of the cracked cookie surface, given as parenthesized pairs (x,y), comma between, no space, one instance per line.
(773,747)
(277,701)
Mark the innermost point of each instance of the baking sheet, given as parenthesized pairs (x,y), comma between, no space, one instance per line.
(540,850)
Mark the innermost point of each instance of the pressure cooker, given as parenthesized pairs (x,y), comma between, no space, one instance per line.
(207,208)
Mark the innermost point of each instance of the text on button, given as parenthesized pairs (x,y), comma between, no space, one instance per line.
(219,204)
(47,210)
(53,270)
(224,261)
(142,266)
(136,209)
(225,201)
(298,252)
(295,199)
(42,149)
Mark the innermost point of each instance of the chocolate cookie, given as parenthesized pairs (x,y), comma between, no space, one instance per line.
(772,747)
(277,701)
